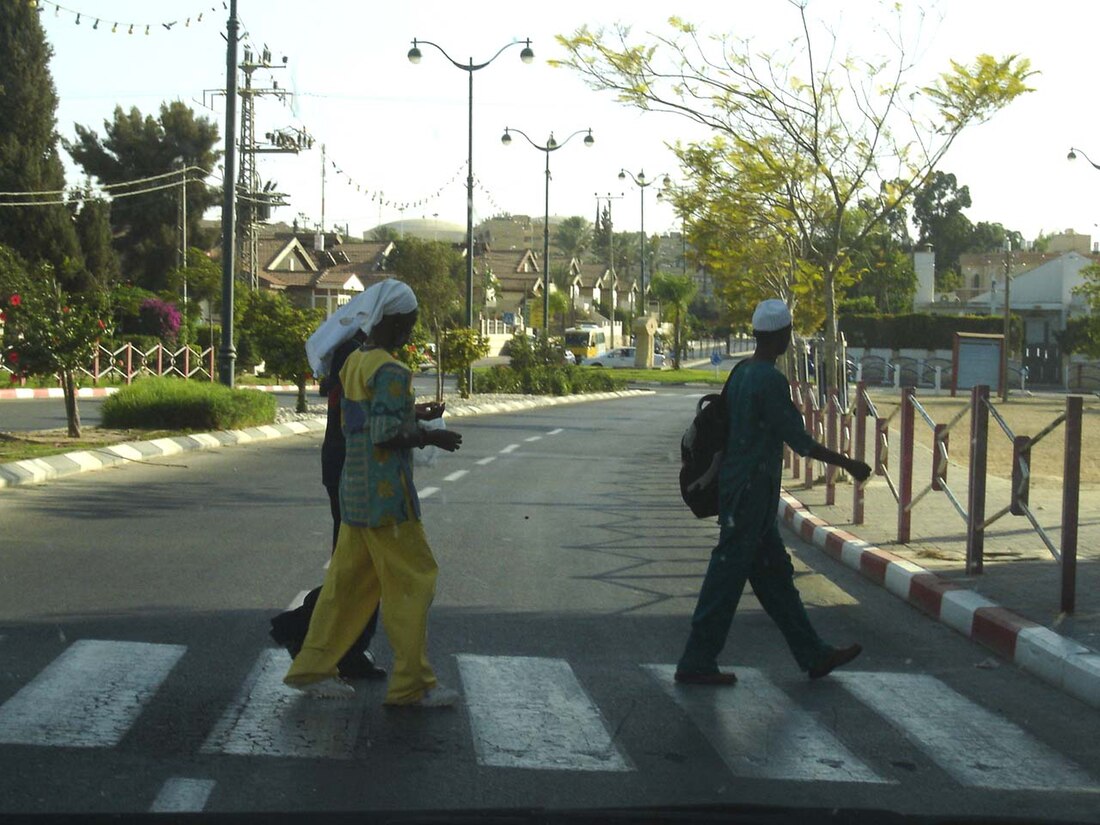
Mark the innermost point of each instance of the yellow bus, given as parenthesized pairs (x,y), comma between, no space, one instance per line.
(586,341)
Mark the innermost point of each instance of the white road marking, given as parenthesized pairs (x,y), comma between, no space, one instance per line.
(510,448)
(533,713)
(427,492)
(487,460)
(534,438)
(976,746)
(555,432)
(760,732)
(178,795)
(296,602)
(456,475)
(270,719)
(89,696)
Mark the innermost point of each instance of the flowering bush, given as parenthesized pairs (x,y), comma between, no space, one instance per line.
(47,331)
(159,318)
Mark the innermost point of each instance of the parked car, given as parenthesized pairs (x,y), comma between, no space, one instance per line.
(620,357)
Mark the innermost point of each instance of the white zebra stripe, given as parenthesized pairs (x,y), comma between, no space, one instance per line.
(533,713)
(511,448)
(456,475)
(976,746)
(89,696)
(759,732)
(179,795)
(270,719)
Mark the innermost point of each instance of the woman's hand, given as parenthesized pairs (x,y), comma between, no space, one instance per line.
(447,440)
(429,411)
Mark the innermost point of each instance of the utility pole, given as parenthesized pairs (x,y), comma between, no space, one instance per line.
(610,252)
(228,356)
(1007,324)
(182,260)
(257,202)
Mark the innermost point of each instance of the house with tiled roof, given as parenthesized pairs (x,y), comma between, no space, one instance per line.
(506,281)
(324,275)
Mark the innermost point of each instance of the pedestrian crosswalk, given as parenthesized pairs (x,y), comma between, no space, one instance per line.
(535,713)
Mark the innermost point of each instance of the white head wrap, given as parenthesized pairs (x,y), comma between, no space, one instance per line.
(366,309)
(771,315)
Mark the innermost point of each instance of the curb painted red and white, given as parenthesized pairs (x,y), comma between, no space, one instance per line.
(1063,662)
(23,393)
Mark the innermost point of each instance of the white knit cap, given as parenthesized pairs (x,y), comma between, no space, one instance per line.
(389,297)
(771,315)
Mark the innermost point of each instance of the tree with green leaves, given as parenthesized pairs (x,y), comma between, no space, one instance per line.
(573,237)
(435,272)
(1084,336)
(938,213)
(675,293)
(279,329)
(47,331)
(833,129)
(29,157)
(93,228)
(136,147)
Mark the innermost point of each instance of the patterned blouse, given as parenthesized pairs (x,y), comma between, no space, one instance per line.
(376,486)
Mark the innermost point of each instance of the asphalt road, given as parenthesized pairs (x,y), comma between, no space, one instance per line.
(49,413)
(137,673)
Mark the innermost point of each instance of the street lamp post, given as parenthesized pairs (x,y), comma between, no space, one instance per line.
(610,252)
(642,184)
(527,56)
(551,145)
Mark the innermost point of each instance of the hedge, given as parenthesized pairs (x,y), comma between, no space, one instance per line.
(918,330)
(545,380)
(177,404)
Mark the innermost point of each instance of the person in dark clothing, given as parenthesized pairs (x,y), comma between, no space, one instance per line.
(760,419)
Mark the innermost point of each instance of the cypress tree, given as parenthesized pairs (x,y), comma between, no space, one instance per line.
(93,227)
(29,158)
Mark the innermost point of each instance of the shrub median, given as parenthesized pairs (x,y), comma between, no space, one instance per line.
(175,404)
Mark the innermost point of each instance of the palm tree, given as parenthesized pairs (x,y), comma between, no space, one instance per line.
(675,291)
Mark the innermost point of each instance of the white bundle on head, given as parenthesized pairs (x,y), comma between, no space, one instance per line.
(389,297)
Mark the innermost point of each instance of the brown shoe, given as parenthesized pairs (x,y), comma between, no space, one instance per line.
(688,677)
(838,657)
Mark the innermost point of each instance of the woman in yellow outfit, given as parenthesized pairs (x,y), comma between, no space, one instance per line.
(382,552)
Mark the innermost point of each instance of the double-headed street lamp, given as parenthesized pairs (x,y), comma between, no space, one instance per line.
(551,145)
(642,184)
(1073,156)
(527,56)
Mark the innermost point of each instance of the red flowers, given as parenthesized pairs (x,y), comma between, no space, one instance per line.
(15,300)
(13,357)
(101,324)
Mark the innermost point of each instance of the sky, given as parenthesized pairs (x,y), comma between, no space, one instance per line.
(399,129)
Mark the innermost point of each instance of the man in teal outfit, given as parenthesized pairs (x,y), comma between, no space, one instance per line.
(760,417)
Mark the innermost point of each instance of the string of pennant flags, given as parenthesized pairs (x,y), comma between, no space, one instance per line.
(377,196)
(99,23)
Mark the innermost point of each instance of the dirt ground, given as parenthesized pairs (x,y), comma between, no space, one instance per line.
(1023,415)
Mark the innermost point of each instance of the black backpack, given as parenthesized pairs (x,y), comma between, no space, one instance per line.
(701,450)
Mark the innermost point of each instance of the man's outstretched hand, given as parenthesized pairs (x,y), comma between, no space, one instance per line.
(859,470)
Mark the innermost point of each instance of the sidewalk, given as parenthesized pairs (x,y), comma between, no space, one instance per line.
(1012,607)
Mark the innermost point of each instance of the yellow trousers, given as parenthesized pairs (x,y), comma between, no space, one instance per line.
(394,564)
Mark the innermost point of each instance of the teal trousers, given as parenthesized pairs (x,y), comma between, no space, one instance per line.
(751,550)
